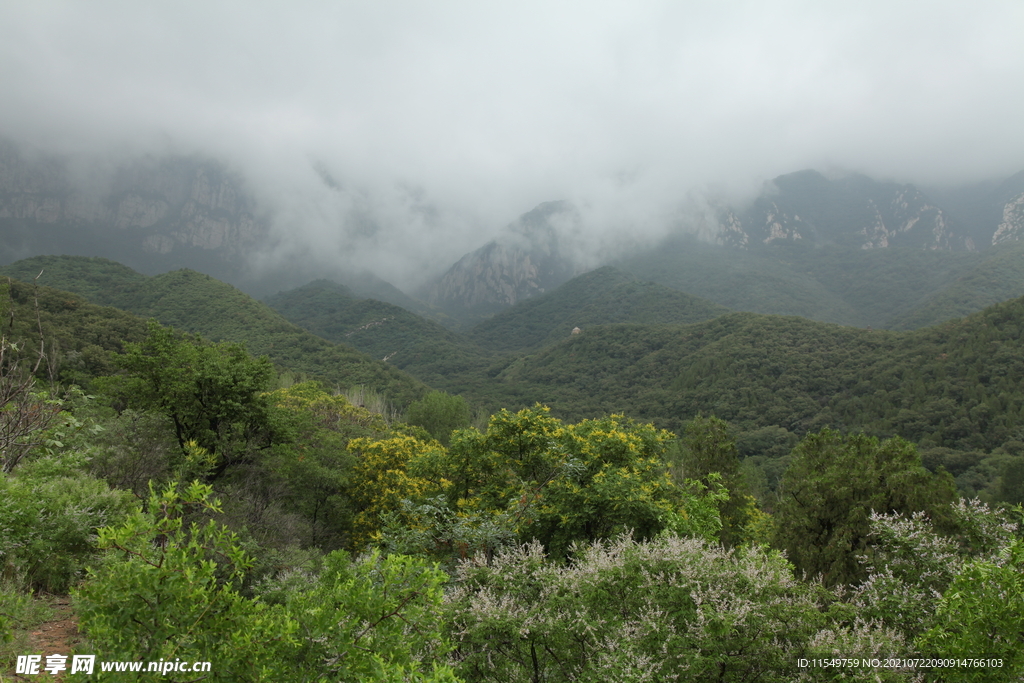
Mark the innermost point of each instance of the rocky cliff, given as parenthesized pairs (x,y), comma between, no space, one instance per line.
(853,211)
(148,212)
(532,255)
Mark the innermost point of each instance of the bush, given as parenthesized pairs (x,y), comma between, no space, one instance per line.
(169,590)
(48,525)
(625,610)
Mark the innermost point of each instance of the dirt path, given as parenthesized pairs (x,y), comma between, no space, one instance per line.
(57,635)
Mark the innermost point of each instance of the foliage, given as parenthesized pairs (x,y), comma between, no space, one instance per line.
(168,590)
(133,449)
(382,477)
(199,304)
(529,476)
(981,613)
(25,412)
(708,447)
(625,610)
(440,414)
(913,562)
(377,618)
(20,612)
(49,516)
(830,490)
(314,462)
(211,392)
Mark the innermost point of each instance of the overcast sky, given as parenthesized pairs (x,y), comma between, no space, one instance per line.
(446,120)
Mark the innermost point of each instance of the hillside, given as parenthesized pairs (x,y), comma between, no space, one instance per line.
(600,297)
(996,277)
(80,336)
(956,389)
(860,287)
(756,281)
(421,347)
(197,303)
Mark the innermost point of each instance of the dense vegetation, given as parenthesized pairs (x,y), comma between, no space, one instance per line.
(889,288)
(199,304)
(952,389)
(199,508)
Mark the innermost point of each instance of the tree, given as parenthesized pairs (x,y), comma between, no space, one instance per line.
(530,476)
(981,614)
(213,393)
(314,462)
(440,414)
(708,448)
(373,619)
(25,411)
(384,475)
(624,610)
(170,590)
(832,486)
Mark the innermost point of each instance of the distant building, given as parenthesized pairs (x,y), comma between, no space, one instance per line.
(576,330)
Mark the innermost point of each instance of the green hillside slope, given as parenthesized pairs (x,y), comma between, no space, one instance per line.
(998,276)
(80,336)
(197,303)
(874,287)
(757,280)
(421,347)
(600,297)
(959,385)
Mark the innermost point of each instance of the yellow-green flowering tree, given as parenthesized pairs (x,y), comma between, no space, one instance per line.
(382,478)
(315,462)
(530,476)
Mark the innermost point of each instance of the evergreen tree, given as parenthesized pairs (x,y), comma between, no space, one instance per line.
(834,483)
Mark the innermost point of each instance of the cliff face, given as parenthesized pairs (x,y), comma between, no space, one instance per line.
(1011,228)
(148,208)
(531,256)
(855,211)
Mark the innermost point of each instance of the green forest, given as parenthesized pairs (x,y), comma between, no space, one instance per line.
(614,481)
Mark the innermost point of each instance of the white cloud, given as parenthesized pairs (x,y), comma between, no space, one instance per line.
(488,109)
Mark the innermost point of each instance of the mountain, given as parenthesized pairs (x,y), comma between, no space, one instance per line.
(1010,195)
(421,347)
(957,385)
(853,211)
(894,288)
(153,214)
(533,255)
(600,297)
(200,304)
(997,277)
(991,210)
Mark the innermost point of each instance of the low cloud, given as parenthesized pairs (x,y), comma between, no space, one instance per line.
(439,123)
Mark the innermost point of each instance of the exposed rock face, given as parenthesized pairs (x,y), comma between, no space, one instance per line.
(147,208)
(1011,228)
(852,211)
(533,255)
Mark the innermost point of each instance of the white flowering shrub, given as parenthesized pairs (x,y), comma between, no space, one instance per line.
(672,608)
(912,564)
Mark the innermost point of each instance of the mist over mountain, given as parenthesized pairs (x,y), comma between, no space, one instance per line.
(395,139)
(160,214)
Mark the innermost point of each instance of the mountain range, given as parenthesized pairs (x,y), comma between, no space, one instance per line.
(605,342)
(847,248)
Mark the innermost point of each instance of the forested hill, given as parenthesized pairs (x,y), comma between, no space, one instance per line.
(894,288)
(956,389)
(197,303)
(436,355)
(600,297)
(414,344)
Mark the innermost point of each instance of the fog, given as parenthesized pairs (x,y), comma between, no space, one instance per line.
(400,135)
